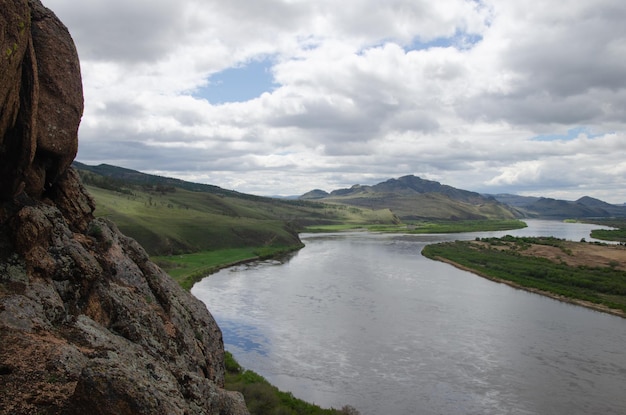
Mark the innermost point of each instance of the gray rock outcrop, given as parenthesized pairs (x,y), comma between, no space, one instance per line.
(87,323)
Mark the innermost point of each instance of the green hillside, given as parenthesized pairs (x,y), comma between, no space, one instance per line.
(192,229)
(167,219)
(413,199)
(173,217)
(183,221)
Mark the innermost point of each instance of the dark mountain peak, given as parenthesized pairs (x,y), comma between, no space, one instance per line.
(411,197)
(550,208)
(315,194)
(514,200)
(593,202)
(556,208)
(407,185)
(415,183)
(543,199)
(354,189)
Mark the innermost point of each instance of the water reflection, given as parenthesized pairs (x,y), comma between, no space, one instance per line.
(244,336)
(365,320)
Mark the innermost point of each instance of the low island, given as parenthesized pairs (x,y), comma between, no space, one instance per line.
(592,275)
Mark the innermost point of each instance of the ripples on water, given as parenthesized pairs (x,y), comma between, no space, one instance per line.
(364,319)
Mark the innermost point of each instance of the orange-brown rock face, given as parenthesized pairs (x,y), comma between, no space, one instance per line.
(88,325)
(41,97)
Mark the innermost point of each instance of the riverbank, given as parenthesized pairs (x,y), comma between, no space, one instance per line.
(424,226)
(588,275)
(187,269)
(582,303)
(261,397)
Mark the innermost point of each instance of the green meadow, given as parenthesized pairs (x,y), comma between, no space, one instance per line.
(182,221)
(423,227)
(187,269)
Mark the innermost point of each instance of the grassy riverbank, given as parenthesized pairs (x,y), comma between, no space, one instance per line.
(615,235)
(592,275)
(422,227)
(264,398)
(187,269)
(261,396)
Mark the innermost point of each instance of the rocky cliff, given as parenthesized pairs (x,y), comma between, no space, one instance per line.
(88,325)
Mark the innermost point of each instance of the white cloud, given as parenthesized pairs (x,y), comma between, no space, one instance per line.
(453,90)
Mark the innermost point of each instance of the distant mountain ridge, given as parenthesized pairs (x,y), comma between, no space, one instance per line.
(404,185)
(548,208)
(409,197)
(413,198)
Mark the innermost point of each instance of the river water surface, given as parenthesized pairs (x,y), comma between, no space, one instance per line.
(364,319)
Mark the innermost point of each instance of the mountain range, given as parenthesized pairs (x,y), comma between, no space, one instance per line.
(411,197)
(548,208)
(408,197)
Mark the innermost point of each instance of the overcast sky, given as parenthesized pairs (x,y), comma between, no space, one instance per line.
(276,97)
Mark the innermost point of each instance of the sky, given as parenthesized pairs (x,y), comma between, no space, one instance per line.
(279,97)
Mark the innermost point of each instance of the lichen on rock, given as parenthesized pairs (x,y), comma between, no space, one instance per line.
(88,324)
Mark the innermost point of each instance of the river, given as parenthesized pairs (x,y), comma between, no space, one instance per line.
(364,319)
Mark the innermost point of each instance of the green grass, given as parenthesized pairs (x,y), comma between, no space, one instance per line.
(426,206)
(187,269)
(616,235)
(600,285)
(264,398)
(339,227)
(421,227)
(184,221)
(181,221)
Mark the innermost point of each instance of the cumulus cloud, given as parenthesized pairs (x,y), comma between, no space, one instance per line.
(362,90)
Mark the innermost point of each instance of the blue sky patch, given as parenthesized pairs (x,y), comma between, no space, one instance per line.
(460,40)
(238,84)
(570,135)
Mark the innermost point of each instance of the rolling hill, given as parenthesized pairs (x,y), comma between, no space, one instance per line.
(413,198)
(170,216)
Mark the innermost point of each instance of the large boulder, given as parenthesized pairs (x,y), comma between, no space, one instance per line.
(41,97)
(88,325)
